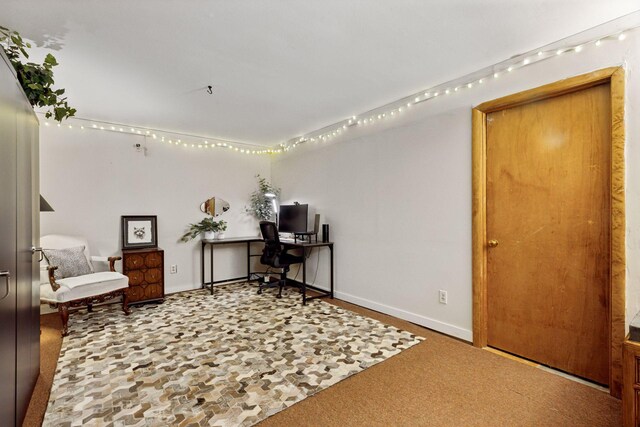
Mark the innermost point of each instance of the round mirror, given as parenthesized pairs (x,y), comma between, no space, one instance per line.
(214,206)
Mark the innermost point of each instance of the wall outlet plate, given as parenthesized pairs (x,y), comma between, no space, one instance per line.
(173,269)
(442,296)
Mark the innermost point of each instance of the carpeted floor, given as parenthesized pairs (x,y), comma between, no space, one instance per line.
(440,382)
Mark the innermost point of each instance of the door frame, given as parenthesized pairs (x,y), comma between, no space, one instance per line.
(615,77)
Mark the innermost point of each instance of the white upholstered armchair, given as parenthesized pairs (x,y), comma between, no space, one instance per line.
(70,290)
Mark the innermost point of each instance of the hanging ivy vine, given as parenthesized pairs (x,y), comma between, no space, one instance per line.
(36,79)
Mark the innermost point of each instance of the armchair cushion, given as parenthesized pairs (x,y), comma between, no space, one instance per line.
(88,285)
(71,262)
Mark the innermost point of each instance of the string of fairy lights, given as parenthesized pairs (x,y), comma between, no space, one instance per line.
(401,106)
(164,137)
(376,115)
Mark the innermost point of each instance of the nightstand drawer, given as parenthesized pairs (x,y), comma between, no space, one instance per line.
(145,260)
(153,275)
(133,262)
(136,277)
(153,259)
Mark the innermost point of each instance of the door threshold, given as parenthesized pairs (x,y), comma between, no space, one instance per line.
(548,369)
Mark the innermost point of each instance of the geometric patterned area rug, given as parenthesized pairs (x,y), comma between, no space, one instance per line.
(231,359)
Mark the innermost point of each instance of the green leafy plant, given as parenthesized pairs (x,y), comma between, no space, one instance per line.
(36,79)
(207,224)
(260,205)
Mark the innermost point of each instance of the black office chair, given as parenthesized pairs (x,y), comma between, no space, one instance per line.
(274,255)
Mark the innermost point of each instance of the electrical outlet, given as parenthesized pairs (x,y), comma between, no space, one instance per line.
(442,296)
(174,269)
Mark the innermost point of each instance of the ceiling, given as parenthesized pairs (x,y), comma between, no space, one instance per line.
(279,68)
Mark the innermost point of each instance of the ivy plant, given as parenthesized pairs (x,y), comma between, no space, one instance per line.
(36,79)
(260,205)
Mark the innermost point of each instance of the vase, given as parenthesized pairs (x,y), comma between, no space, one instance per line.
(220,235)
(209,235)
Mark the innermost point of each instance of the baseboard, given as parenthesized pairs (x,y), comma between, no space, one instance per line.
(310,285)
(191,287)
(418,319)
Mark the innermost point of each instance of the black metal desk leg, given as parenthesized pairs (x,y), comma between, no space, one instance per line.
(248,261)
(331,250)
(304,276)
(202,264)
(211,266)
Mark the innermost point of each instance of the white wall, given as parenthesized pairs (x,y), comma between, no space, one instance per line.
(93,177)
(397,195)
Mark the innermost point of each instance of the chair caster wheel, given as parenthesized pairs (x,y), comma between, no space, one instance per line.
(259,291)
(278,296)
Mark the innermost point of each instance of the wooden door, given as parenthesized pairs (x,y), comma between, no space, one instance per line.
(548,169)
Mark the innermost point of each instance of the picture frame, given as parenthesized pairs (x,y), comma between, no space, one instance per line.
(139,231)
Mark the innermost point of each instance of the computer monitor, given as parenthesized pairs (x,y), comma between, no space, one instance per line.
(293,218)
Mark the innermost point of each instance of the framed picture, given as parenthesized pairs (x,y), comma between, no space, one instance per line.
(139,231)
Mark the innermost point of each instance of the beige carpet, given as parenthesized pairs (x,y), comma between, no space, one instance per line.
(440,382)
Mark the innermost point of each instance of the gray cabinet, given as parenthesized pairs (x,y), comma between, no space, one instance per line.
(19,231)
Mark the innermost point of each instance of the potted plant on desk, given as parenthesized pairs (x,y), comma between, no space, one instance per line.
(207,227)
(222,227)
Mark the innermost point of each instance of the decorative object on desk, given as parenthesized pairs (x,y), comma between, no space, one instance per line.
(36,79)
(188,359)
(222,227)
(139,231)
(208,227)
(316,225)
(325,233)
(263,201)
(214,206)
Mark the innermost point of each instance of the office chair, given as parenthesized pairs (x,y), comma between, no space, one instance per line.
(274,255)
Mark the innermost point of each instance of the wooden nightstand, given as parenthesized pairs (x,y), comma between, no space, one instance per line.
(631,383)
(145,269)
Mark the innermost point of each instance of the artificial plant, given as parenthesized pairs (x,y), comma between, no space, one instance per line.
(36,79)
(207,224)
(260,205)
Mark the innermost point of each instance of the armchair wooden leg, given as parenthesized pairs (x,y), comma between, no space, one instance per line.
(125,303)
(63,309)
(90,308)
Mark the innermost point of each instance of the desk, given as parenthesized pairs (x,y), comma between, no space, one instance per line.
(310,245)
(229,241)
(290,244)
